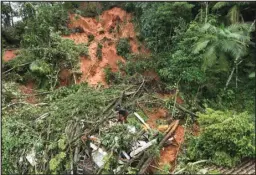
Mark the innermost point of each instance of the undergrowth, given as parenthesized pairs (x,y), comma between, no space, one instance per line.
(123,47)
(226,138)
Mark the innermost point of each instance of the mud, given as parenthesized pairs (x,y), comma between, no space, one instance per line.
(112,25)
(28,89)
(9,55)
(169,153)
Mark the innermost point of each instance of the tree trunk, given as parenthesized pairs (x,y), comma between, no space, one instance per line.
(206,11)
(232,72)
(236,75)
(11,14)
(201,14)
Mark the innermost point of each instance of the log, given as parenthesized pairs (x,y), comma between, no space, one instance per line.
(150,159)
(142,121)
(186,110)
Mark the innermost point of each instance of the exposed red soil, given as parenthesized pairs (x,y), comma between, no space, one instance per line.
(151,74)
(65,77)
(154,116)
(9,55)
(28,89)
(169,153)
(105,32)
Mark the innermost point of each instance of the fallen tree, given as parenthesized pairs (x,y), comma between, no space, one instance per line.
(50,138)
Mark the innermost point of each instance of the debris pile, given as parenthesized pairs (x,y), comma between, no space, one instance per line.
(127,139)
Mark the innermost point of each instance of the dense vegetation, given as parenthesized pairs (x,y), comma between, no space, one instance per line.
(207,49)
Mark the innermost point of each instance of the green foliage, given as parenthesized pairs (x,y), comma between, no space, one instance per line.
(153,151)
(99,51)
(233,10)
(62,143)
(40,67)
(112,77)
(118,137)
(19,137)
(55,162)
(191,168)
(138,63)
(134,121)
(28,10)
(46,61)
(182,63)
(6,13)
(9,91)
(22,131)
(12,35)
(226,137)
(64,91)
(238,99)
(159,20)
(90,38)
(216,42)
(198,56)
(165,169)
(48,18)
(108,74)
(208,63)
(90,9)
(123,47)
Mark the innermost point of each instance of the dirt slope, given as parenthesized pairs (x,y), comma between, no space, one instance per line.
(112,25)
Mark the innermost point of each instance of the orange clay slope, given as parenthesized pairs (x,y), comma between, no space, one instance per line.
(168,154)
(9,55)
(112,25)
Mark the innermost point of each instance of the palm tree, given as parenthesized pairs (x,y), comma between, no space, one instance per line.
(218,43)
(234,10)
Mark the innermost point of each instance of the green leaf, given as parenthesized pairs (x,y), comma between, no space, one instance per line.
(200,46)
(252,75)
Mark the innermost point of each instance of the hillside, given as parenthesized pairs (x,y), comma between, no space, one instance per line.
(128,88)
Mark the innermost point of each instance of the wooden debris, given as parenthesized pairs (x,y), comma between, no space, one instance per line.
(166,137)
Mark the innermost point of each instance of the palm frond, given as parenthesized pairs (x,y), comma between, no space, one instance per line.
(205,27)
(200,46)
(223,64)
(238,27)
(252,75)
(220,5)
(227,46)
(234,14)
(210,57)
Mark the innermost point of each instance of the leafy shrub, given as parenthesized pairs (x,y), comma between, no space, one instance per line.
(158,21)
(21,130)
(82,49)
(55,162)
(44,62)
(123,47)
(90,38)
(49,18)
(99,51)
(40,67)
(137,63)
(90,9)
(226,137)
(117,136)
(112,77)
